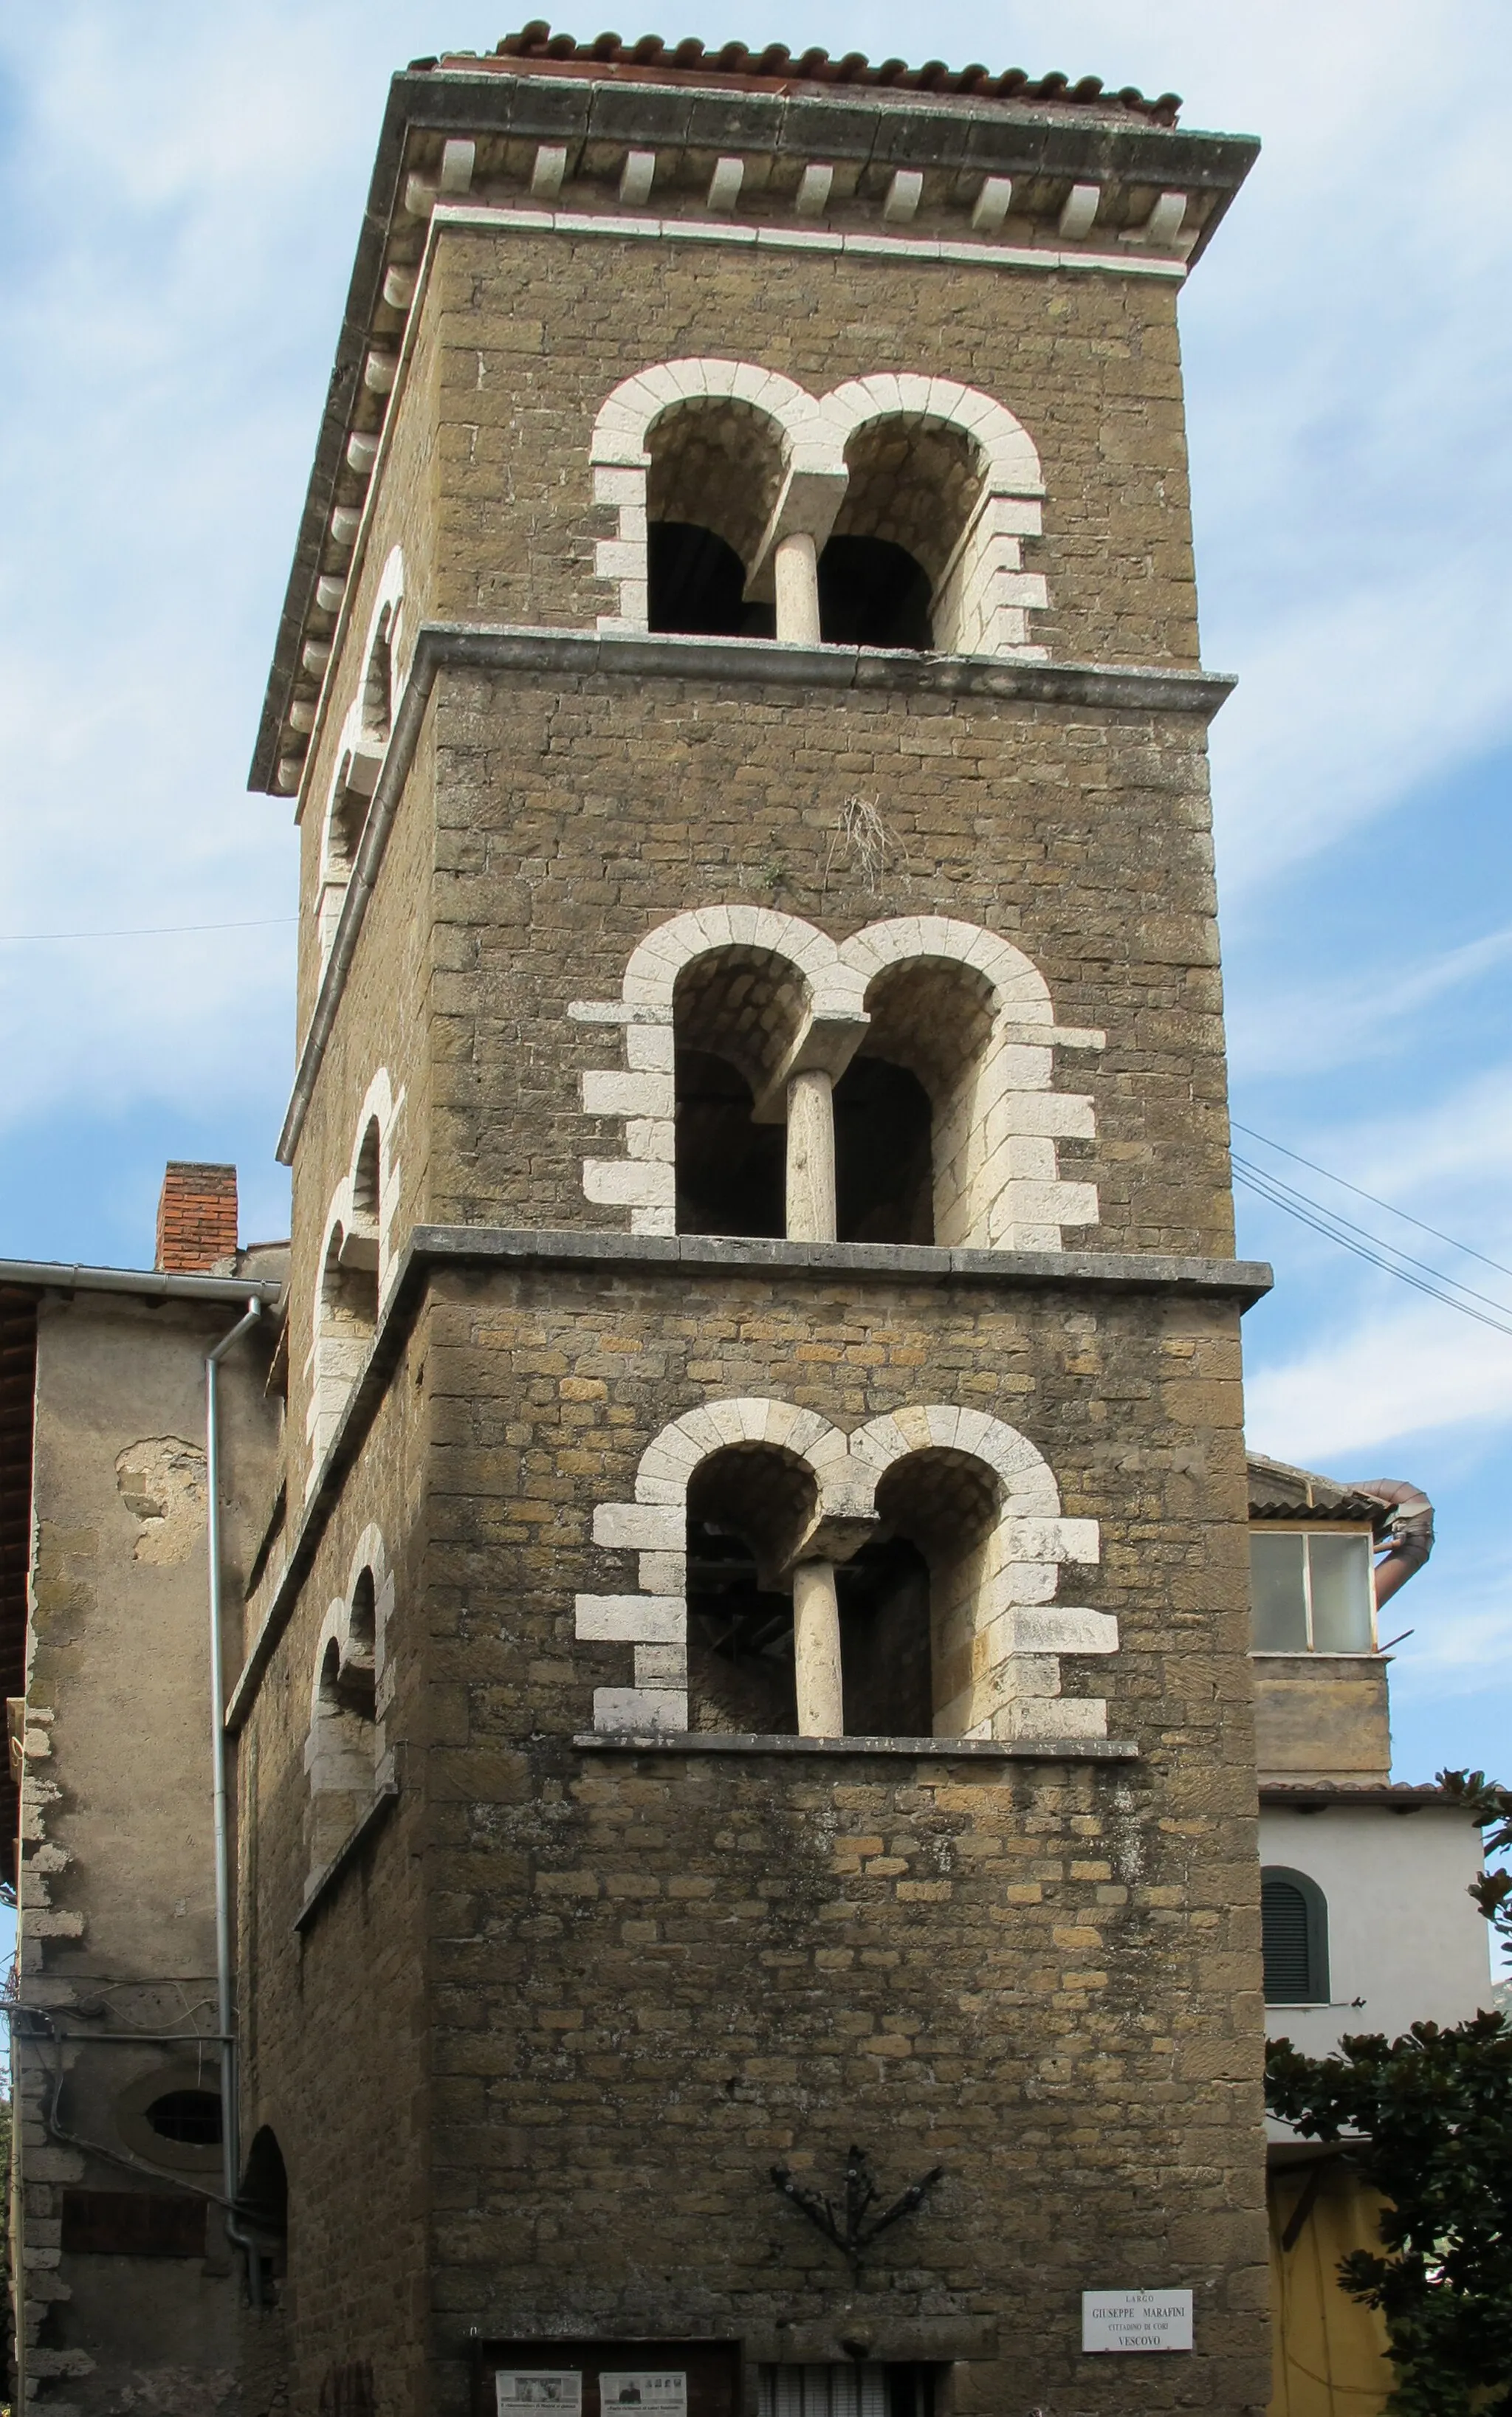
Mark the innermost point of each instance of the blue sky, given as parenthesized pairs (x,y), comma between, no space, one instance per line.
(181,189)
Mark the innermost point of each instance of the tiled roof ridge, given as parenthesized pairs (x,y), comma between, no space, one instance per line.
(536,45)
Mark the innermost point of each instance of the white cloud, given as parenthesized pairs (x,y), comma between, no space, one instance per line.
(1403,1368)
(1327,1025)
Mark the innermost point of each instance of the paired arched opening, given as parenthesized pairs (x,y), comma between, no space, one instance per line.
(716,473)
(345,1746)
(901,1113)
(905,1585)
(891,513)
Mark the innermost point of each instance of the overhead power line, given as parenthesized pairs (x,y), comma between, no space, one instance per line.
(148,931)
(1374,1198)
(1373,1248)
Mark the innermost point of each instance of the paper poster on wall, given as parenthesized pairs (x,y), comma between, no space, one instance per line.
(539,2391)
(1133,2320)
(660,2394)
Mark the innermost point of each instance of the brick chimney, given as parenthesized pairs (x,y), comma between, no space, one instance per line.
(196,1217)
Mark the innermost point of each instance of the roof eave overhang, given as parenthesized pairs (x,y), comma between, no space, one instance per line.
(997,138)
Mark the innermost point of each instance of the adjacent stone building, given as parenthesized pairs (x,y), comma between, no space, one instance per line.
(755,1667)
(125,2283)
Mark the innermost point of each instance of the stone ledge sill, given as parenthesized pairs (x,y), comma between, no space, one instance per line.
(384,1801)
(1244,1280)
(903,1748)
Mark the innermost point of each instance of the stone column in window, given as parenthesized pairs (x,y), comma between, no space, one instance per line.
(811,1206)
(795,568)
(817,1651)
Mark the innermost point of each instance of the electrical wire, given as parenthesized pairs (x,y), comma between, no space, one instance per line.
(1282,1193)
(1323,1222)
(147,931)
(1373,1198)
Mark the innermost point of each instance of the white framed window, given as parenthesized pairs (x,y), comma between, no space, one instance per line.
(1312,1590)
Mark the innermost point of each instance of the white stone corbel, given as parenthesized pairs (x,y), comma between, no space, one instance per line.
(1080,211)
(290,771)
(550,168)
(399,287)
(379,372)
(302,714)
(345,522)
(316,656)
(991,205)
(636,179)
(459,158)
(725,185)
(420,197)
(1162,227)
(904,195)
(329,589)
(362,453)
(813,196)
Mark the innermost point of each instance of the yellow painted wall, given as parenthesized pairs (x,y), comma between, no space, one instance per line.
(1329,2351)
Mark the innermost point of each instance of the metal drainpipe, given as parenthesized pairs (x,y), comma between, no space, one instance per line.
(230,2124)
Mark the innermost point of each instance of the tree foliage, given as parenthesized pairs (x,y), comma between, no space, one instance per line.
(1427,2118)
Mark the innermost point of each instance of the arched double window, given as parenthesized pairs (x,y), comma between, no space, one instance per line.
(893,1087)
(354,1264)
(890,512)
(898,1581)
(1294,1938)
(345,1749)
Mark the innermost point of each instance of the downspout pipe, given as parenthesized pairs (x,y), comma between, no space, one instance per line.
(1409,1532)
(230,2112)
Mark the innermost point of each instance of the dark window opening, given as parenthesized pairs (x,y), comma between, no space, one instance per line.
(740,1639)
(191,2116)
(883,1163)
(873,593)
(263,2204)
(884,1640)
(1293,1939)
(697,586)
(731,1172)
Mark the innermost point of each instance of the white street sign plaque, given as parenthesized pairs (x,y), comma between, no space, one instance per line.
(1125,2321)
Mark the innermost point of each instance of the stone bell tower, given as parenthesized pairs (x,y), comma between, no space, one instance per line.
(753,1665)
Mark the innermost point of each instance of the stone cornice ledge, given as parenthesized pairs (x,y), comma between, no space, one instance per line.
(1242,1280)
(912,1749)
(484,1247)
(754,662)
(767,662)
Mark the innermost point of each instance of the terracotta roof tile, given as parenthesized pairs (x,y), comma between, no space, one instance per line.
(775,69)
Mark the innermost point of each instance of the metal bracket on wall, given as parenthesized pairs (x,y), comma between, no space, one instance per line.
(847,2222)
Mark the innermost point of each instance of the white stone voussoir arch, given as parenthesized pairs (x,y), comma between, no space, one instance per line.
(654,1525)
(621,461)
(998,1626)
(999,1633)
(984,595)
(355,1240)
(998,1185)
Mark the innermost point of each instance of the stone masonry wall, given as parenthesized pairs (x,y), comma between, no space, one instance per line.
(576,817)
(656,1975)
(334,2018)
(535,331)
